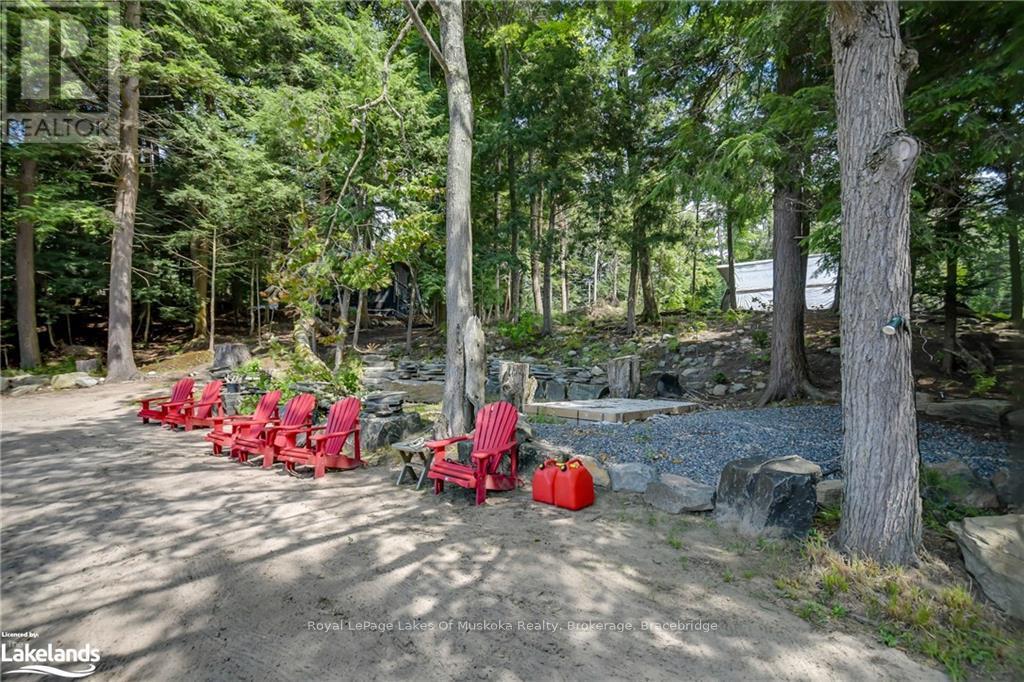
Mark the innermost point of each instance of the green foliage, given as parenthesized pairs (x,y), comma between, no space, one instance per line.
(983,383)
(760,338)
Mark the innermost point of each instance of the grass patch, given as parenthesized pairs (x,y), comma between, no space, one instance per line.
(913,609)
(61,365)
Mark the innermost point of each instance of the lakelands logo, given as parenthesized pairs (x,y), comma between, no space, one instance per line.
(59,64)
(41,660)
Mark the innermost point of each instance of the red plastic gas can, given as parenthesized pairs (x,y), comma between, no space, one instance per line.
(544,482)
(574,486)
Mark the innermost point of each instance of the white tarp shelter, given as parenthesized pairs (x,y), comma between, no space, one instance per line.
(754,284)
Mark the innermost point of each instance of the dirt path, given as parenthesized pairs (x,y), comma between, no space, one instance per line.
(175,564)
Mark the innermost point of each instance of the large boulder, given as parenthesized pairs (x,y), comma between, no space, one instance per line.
(88,365)
(230,355)
(23,390)
(631,477)
(597,471)
(69,380)
(1009,485)
(993,549)
(964,487)
(379,432)
(770,496)
(979,412)
(1015,420)
(676,494)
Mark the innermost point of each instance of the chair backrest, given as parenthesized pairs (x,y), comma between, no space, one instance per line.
(182,389)
(495,426)
(296,413)
(210,394)
(342,417)
(265,409)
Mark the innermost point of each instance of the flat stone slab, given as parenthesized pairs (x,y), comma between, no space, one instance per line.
(610,409)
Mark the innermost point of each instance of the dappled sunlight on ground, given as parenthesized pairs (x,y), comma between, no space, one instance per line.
(175,563)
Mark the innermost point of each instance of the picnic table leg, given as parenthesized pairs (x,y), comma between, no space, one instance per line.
(426,468)
(406,466)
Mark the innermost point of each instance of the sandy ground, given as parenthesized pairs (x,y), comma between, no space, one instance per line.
(176,564)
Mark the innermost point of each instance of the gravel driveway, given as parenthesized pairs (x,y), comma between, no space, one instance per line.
(699,444)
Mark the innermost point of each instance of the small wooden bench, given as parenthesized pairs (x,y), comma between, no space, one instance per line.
(407,450)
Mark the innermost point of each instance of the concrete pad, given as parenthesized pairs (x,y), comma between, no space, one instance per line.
(610,409)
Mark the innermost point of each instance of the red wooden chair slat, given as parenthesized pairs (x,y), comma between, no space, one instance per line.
(226,428)
(324,450)
(194,413)
(152,408)
(269,440)
(494,437)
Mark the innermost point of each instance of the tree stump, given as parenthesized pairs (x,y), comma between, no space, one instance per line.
(624,376)
(516,386)
(230,355)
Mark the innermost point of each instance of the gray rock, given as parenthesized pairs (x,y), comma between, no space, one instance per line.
(981,412)
(29,380)
(62,381)
(578,391)
(230,355)
(993,549)
(597,371)
(552,390)
(597,471)
(922,400)
(829,493)
(89,365)
(379,432)
(720,390)
(1015,420)
(631,477)
(693,371)
(676,494)
(718,360)
(5,384)
(760,386)
(968,489)
(1009,485)
(737,388)
(22,390)
(86,382)
(770,496)
(834,351)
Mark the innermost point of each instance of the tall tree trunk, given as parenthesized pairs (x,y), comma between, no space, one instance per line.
(563,266)
(515,281)
(536,278)
(120,358)
(1016,288)
(411,316)
(213,290)
(1014,204)
(344,300)
(457,415)
(647,284)
(881,505)
(25,269)
(789,375)
(547,251)
(597,272)
(201,285)
(360,313)
(951,228)
(730,256)
(631,292)
(615,279)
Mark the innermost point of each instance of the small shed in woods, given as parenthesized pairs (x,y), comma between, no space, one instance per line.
(754,283)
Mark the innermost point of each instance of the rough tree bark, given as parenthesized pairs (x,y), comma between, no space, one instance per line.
(631,291)
(951,228)
(201,285)
(882,508)
(456,411)
(536,278)
(25,269)
(120,358)
(730,260)
(1014,205)
(546,251)
(789,374)
(650,314)
(563,267)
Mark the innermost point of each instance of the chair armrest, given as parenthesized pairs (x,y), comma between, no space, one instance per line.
(177,403)
(336,434)
(435,444)
(154,398)
(483,454)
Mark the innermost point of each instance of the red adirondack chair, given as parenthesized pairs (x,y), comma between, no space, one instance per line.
(152,408)
(192,413)
(495,435)
(323,450)
(226,428)
(276,434)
